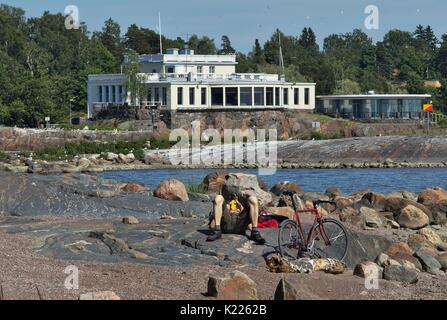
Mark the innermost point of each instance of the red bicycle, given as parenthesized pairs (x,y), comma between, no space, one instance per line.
(326,238)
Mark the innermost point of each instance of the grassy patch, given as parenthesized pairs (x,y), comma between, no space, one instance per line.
(443,123)
(196,188)
(317,135)
(72,149)
(3,156)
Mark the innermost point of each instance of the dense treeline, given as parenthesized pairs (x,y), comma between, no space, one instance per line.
(44,66)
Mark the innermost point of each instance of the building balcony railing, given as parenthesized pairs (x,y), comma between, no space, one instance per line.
(211,76)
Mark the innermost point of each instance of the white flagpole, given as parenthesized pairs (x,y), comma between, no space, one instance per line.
(159,29)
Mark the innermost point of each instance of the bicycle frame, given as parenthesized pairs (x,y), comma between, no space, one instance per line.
(316,223)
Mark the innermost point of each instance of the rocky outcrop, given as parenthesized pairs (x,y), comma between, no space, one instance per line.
(243,185)
(172,190)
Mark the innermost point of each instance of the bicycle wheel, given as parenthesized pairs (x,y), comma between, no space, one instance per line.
(336,233)
(289,240)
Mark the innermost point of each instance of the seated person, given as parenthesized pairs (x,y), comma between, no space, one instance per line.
(231,217)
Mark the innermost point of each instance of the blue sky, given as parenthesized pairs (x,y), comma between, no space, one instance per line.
(245,20)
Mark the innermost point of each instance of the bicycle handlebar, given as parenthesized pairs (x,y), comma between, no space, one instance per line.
(315,203)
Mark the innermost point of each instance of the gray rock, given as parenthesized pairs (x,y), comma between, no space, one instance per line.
(442,259)
(370,217)
(400,273)
(428,261)
(285,291)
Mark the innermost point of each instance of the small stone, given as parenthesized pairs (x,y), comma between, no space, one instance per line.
(101,295)
(130,220)
(166,217)
(382,259)
(367,269)
(285,291)
(400,273)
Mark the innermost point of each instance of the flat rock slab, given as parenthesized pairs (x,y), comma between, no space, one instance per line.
(161,242)
(82,195)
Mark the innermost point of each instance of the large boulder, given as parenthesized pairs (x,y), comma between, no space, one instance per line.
(287,212)
(173,190)
(400,273)
(395,205)
(370,218)
(333,192)
(428,261)
(243,185)
(438,210)
(432,195)
(278,188)
(233,286)
(417,241)
(214,182)
(442,259)
(377,200)
(430,235)
(413,218)
(398,247)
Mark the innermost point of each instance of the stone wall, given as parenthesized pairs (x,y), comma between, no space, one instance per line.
(16,139)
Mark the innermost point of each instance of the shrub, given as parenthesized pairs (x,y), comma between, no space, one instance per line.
(3,156)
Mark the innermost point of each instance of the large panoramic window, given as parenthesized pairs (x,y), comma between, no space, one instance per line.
(246,96)
(157,95)
(180,96)
(164,94)
(231,96)
(306,96)
(149,95)
(277,97)
(203,96)
(286,96)
(259,96)
(120,94)
(192,98)
(296,96)
(217,96)
(269,96)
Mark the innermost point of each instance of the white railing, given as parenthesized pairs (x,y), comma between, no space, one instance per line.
(211,76)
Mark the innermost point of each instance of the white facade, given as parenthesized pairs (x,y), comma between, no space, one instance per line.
(181,80)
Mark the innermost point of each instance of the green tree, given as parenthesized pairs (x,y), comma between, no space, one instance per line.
(226,46)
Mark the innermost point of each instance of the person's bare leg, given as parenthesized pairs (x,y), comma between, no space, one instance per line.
(254,211)
(218,205)
(215,223)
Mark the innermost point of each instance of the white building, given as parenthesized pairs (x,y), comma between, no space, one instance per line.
(182,81)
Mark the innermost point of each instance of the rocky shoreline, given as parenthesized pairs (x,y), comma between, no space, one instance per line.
(80,218)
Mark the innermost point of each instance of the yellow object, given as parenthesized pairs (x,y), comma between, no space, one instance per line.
(233,205)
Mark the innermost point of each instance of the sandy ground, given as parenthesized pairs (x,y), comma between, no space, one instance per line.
(24,273)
